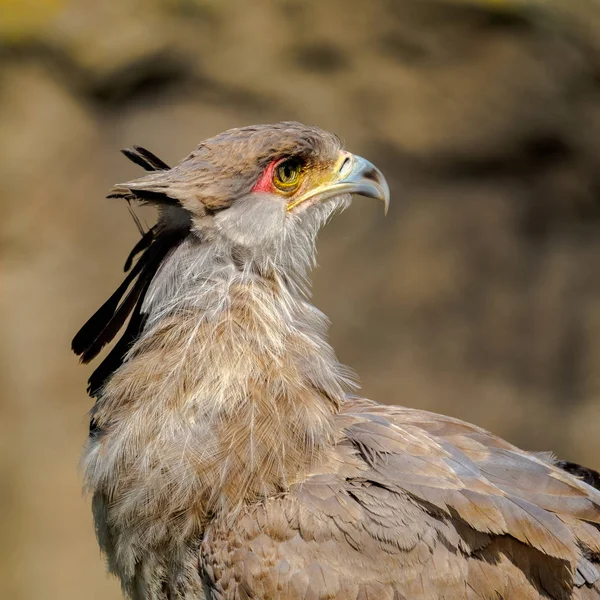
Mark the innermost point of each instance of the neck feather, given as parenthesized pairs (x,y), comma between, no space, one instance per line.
(228,396)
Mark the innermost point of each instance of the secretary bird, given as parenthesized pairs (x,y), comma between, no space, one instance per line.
(228,458)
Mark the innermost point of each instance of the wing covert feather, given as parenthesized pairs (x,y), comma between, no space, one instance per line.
(412,505)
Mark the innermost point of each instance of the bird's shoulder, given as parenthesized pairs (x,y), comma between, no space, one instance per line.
(461,471)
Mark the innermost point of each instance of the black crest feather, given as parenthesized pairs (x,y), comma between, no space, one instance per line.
(145,159)
(111,322)
(127,300)
(147,196)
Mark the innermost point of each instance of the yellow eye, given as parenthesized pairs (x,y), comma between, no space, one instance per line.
(287,174)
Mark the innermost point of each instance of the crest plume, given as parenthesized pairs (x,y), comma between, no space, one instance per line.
(127,300)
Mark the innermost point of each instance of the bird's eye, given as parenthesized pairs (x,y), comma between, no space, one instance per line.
(287,174)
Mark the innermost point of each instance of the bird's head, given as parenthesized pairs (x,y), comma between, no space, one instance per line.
(262,190)
(249,200)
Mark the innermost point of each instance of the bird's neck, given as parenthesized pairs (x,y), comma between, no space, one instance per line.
(228,396)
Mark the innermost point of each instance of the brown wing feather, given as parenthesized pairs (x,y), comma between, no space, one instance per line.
(417,505)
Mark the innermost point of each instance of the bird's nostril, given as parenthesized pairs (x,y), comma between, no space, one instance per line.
(345,168)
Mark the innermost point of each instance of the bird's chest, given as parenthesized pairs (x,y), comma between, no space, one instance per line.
(152,508)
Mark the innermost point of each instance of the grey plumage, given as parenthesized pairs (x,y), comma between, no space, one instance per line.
(230,459)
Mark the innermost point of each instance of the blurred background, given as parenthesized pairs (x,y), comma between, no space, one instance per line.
(478,296)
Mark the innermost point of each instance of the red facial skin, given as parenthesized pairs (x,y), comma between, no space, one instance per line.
(265,182)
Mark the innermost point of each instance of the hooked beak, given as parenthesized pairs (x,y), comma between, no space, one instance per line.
(352,175)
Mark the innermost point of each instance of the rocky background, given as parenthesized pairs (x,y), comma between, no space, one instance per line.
(478,296)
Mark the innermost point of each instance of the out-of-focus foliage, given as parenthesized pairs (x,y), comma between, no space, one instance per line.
(22,19)
(478,296)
